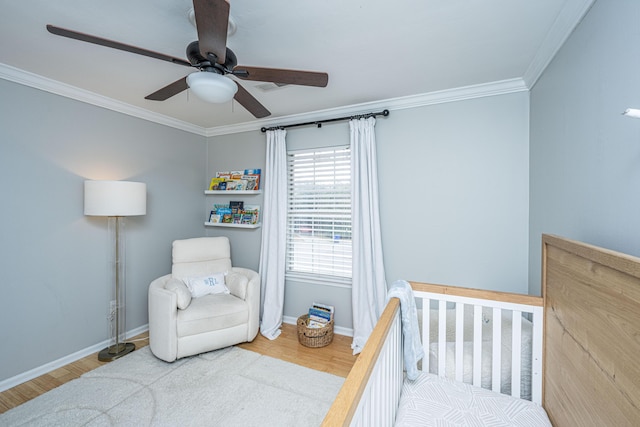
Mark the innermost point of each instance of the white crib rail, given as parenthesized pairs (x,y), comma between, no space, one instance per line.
(376,408)
(371,393)
(500,304)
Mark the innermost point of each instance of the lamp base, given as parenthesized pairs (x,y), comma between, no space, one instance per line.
(114,352)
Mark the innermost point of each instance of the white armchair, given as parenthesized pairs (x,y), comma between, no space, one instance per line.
(180,325)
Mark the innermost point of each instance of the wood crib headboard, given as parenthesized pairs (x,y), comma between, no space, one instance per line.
(592,334)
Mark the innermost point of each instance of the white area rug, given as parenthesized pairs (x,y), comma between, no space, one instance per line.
(228,387)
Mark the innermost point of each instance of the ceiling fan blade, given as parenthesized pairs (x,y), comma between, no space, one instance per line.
(212,20)
(252,105)
(169,90)
(277,75)
(113,44)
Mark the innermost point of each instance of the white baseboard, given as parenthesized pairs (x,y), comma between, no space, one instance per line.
(48,367)
(340,330)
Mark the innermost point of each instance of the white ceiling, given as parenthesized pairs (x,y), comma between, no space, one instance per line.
(373,51)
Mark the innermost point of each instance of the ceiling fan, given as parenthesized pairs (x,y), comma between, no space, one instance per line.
(214,59)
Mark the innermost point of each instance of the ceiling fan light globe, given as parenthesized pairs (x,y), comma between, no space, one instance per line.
(212,87)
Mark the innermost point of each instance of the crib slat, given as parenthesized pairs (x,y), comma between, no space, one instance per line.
(377,402)
(497,350)
(459,340)
(516,353)
(426,328)
(536,359)
(442,338)
(477,345)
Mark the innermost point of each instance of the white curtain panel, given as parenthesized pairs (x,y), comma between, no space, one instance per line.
(274,237)
(369,288)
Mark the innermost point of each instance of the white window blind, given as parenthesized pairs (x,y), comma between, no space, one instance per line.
(319,212)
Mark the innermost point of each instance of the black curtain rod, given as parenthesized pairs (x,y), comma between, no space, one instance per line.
(319,123)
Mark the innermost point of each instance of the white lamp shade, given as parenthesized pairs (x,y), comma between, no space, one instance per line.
(115,198)
(212,87)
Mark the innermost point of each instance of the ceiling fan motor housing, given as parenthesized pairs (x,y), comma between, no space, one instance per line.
(197,60)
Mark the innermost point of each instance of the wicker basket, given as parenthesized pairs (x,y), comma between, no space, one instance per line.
(314,337)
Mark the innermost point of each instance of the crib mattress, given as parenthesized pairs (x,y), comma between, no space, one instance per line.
(434,401)
(487,336)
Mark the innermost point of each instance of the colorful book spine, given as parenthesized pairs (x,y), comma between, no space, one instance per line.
(319,315)
(325,307)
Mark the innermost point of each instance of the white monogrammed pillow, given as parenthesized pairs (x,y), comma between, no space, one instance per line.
(205,285)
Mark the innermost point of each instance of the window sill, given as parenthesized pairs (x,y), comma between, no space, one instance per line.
(319,279)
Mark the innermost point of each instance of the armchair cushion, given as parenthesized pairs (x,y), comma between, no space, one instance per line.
(237,284)
(200,256)
(212,313)
(181,291)
(206,285)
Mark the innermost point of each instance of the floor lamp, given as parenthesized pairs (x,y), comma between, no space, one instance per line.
(116,200)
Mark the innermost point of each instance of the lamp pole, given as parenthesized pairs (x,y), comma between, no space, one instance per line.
(115,200)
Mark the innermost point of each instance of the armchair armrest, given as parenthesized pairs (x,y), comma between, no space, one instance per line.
(252,297)
(163,310)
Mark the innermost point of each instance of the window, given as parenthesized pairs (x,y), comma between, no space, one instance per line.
(319,212)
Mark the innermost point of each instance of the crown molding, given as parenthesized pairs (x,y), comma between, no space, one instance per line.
(401,103)
(19,76)
(36,81)
(568,19)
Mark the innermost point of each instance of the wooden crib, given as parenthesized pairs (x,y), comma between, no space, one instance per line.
(585,342)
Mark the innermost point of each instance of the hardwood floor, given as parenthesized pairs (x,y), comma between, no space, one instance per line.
(336,358)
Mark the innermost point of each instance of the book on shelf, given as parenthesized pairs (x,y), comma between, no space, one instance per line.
(235,213)
(253,175)
(237,180)
(222,215)
(215,183)
(236,206)
(252,181)
(232,185)
(252,214)
(215,217)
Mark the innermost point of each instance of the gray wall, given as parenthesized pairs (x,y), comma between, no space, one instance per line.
(454,182)
(453,193)
(56,277)
(585,156)
(236,152)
